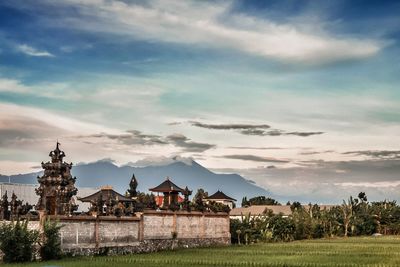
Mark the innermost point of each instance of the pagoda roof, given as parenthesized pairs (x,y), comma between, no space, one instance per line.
(167,186)
(105,192)
(219,195)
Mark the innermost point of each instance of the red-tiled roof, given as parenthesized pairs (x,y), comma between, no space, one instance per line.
(219,195)
(166,186)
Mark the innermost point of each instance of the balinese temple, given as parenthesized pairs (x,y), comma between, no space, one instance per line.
(170,192)
(220,197)
(107,199)
(56,186)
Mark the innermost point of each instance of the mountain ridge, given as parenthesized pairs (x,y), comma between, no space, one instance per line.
(194,175)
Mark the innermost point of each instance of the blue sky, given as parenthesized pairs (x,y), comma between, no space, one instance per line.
(148,80)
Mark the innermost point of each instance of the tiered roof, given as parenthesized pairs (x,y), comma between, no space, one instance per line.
(219,195)
(106,193)
(56,185)
(167,187)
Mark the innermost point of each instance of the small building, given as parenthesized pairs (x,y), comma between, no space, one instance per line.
(105,200)
(220,197)
(170,192)
(259,210)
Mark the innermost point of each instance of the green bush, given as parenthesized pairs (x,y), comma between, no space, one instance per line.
(17,241)
(283,229)
(318,231)
(218,207)
(50,249)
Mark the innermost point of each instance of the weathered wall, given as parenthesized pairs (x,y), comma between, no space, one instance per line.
(149,231)
(161,225)
(91,232)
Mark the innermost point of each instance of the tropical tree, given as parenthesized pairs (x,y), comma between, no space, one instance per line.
(347,210)
(198,200)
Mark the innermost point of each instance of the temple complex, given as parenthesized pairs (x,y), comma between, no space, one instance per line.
(115,223)
(56,186)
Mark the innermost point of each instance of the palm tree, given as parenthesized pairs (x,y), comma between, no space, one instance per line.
(347,209)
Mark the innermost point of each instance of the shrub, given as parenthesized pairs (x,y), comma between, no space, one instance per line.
(51,247)
(283,229)
(174,207)
(17,241)
(318,231)
(218,207)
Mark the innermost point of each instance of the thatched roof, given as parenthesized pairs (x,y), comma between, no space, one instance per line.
(219,195)
(167,186)
(106,193)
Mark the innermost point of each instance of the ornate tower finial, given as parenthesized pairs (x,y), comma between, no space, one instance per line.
(132,186)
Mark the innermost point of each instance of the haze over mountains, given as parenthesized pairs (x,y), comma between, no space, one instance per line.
(182,172)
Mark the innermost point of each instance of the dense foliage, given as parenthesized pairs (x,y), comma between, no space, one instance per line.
(145,201)
(17,241)
(354,217)
(51,244)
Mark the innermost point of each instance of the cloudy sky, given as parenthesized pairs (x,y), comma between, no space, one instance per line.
(301,97)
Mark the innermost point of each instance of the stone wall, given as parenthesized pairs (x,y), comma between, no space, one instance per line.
(162,225)
(91,232)
(148,231)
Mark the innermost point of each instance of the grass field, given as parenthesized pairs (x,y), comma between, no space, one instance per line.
(360,251)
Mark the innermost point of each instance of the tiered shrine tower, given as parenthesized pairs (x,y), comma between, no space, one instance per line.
(57,186)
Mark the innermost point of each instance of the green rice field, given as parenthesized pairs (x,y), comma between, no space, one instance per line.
(358,251)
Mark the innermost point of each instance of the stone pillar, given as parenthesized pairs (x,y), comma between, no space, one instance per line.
(174,226)
(42,219)
(141,227)
(97,233)
(202,226)
(229,227)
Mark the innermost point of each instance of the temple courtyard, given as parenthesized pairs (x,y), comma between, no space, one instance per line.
(357,251)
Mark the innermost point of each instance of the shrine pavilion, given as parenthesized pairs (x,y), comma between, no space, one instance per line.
(170,191)
(105,200)
(220,197)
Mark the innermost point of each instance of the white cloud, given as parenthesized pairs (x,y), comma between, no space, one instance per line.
(10,85)
(44,89)
(160,161)
(51,119)
(31,51)
(213,25)
(13,167)
(128,96)
(383,184)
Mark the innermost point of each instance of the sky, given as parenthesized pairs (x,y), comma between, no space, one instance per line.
(301,97)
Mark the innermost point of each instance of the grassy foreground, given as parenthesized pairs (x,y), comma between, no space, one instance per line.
(358,251)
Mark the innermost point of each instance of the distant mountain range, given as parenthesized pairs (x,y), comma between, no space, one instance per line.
(182,173)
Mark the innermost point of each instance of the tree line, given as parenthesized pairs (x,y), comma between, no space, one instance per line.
(353,217)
